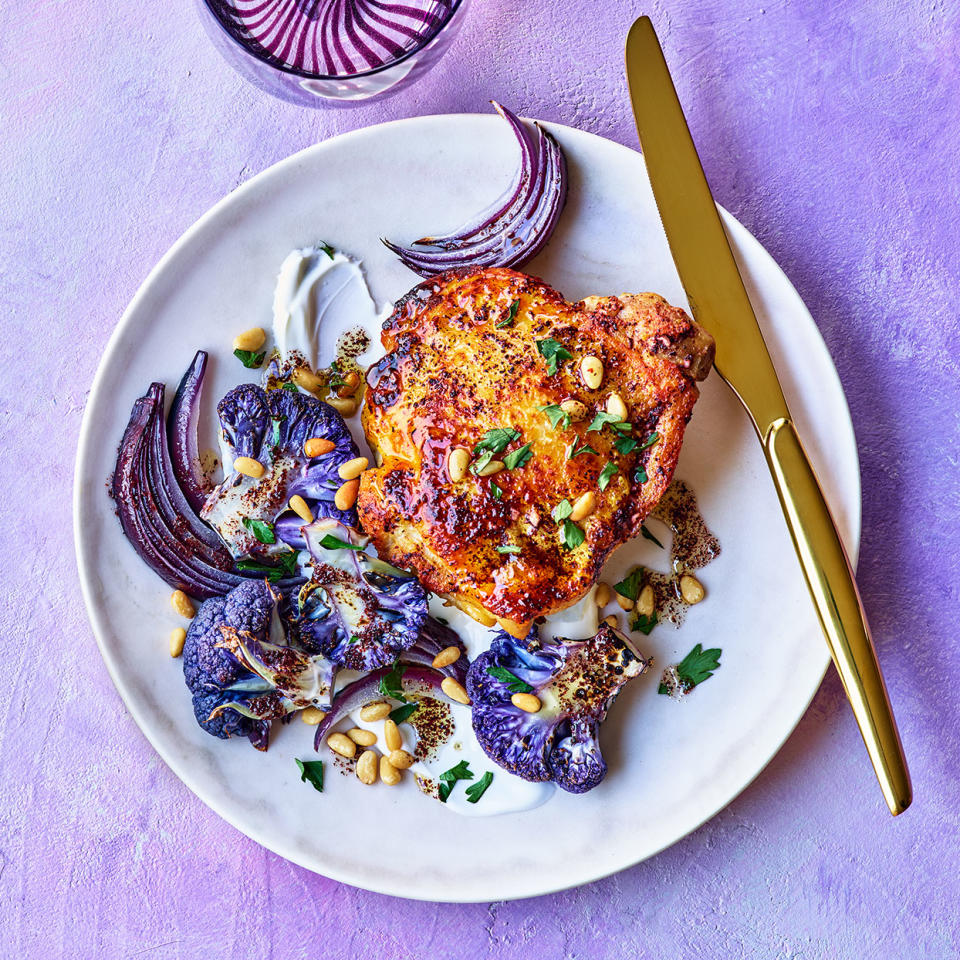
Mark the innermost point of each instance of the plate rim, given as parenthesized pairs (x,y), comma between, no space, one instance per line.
(844,431)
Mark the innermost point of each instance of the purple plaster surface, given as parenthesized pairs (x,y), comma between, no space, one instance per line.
(832,132)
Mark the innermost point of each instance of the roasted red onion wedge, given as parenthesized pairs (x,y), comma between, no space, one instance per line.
(516,227)
(182,433)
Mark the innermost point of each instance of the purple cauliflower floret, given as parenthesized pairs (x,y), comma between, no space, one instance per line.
(576,681)
(272,426)
(240,670)
(356,610)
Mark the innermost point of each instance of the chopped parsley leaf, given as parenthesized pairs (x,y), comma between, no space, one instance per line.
(698,665)
(554,353)
(573,536)
(311,771)
(391,685)
(495,490)
(250,358)
(574,452)
(508,548)
(402,714)
(476,790)
(261,529)
(641,475)
(517,458)
(513,682)
(449,778)
(510,317)
(292,387)
(606,475)
(353,638)
(286,567)
(603,419)
(644,624)
(327,249)
(497,440)
(647,535)
(331,542)
(650,441)
(561,511)
(629,586)
(625,445)
(555,415)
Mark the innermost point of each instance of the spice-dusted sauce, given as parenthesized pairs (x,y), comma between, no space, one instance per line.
(693,547)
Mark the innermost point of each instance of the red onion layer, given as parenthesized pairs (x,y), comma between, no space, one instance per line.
(516,227)
(182,433)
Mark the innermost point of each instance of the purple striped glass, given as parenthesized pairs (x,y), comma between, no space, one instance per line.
(320,51)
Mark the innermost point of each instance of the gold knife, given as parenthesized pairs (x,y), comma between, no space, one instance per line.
(720,303)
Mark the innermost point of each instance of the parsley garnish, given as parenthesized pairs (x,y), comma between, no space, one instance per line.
(449,778)
(647,535)
(561,511)
(292,387)
(327,249)
(517,458)
(508,548)
(331,542)
(513,682)
(494,441)
(311,771)
(286,566)
(476,790)
(573,536)
(510,317)
(495,490)
(574,452)
(261,529)
(554,353)
(391,685)
(250,358)
(644,624)
(625,445)
(402,714)
(641,475)
(698,665)
(555,415)
(353,638)
(629,586)
(650,441)
(606,475)
(603,419)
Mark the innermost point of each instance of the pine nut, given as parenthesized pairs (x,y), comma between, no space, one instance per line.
(389,774)
(591,369)
(345,407)
(401,759)
(691,589)
(612,621)
(584,506)
(454,690)
(363,738)
(353,468)
(625,602)
(312,716)
(352,380)
(308,380)
(182,604)
(457,462)
(603,594)
(301,508)
(249,467)
(391,735)
(375,711)
(574,409)
(616,407)
(318,446)
(342,744)
(494,466)
(646,602)
(445,657)
(344,392)
(346,496)
(526,702)
(367,767)
(252,339)
(176,641)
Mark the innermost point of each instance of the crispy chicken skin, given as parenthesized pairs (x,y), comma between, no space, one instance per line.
(451,374)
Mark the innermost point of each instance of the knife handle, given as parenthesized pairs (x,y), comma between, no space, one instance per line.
(834,591)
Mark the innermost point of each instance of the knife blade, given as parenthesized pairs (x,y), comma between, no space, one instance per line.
(719,302)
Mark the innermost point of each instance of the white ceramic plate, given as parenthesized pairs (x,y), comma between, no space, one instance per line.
(672,765)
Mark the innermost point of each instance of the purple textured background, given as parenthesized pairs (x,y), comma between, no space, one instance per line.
(832,132)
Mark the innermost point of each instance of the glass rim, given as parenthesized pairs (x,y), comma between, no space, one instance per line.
(370,72)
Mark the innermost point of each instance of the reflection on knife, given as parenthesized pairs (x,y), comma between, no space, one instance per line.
(719,302)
